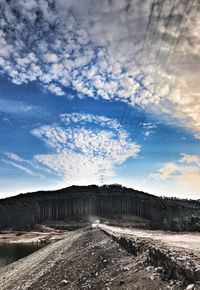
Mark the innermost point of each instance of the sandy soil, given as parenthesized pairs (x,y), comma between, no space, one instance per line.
(31,236)
(189,241)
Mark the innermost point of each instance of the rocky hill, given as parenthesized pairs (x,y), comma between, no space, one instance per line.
(82,202)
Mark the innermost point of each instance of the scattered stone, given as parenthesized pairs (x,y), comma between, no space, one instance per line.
(152,277)
(190,287)
(150,269)
(159,269)
(121,282)
(64,282)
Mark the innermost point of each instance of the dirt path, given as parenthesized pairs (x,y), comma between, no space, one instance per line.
(21,274)
(189,241)
(87,259)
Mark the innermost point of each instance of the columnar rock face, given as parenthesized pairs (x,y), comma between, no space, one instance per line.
(26,210)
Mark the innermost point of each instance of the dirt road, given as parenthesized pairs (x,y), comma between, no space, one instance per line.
(189,241)
(86,259)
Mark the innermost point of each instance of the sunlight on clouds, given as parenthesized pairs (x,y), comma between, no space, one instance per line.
(80,149)
(165,172)
(55,136)
(96,50)
(86,153)
(185,172)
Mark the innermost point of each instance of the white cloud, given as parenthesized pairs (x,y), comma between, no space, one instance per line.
(15,107)
(184,174)
(82,118)
(168,170)
(94,47)
(188,158)
(30,163)
(81,155)
(149,126)
(148,133)
(54,136)
(51,57)
(83,148)
(55,90)
(23,168)
(13,156)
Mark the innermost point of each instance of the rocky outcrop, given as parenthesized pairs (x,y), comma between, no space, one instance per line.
(26,210)
(170,264)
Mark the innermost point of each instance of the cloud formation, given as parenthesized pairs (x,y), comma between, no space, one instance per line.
(97,49)
(23,168)
(82,154)
(185,172)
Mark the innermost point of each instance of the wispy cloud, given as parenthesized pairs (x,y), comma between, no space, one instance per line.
(23,168)
(31,163)
(166,171)
(14,107)
(185,172)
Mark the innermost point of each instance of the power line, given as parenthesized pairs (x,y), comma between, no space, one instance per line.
(155,31)
(177,39)
(165,31)
(183,27)
(146,36)
(181,32)
(142,50)
(177,29)
(147,31)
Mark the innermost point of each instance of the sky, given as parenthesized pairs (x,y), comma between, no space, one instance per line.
(100,92)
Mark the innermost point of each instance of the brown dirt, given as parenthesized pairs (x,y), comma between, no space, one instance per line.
(85,260)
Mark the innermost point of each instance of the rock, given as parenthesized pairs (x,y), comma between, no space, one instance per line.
(152,277)
(190,287)
(126,269)
(189,273)
(64,282)
(159,269)
(197,274)
(121,282)
(150,269)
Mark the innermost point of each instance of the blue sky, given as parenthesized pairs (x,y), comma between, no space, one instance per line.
(76,107)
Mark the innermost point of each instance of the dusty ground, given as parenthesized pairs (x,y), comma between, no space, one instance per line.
(189,241)
(48,234)
(85,259)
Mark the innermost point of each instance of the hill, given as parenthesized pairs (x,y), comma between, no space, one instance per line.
(83,202)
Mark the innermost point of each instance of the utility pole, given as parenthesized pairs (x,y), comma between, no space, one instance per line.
(102,179)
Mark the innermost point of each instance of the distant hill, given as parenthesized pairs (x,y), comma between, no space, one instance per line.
(82,202)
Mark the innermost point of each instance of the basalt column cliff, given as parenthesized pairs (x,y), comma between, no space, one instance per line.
(26,210)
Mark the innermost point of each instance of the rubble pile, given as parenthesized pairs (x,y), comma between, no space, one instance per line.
(171,263)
